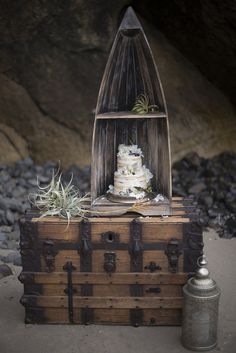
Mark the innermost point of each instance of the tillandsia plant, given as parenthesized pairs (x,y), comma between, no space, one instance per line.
(57,199)
(142,106)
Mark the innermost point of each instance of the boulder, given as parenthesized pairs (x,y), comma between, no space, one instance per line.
(12,146)
(204,31)
(5,271)
(53,57)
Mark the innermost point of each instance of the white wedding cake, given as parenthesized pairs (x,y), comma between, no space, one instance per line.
(132,179)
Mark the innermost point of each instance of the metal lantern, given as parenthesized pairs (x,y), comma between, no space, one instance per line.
(200,311)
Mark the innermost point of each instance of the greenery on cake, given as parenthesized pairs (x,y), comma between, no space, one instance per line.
(147,190)
(142,105)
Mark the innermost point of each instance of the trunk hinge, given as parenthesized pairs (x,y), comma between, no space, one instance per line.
(49,253)
(173,252)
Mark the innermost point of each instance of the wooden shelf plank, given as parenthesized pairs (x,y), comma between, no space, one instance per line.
(130,115)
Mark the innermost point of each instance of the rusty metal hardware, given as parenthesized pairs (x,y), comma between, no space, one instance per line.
(136,316)
(136,246)
(153,290)
(69,268)
(110,262)
(87,315)
(173,252)
(86,266)
(26,278)
(152,266)
(49,253)
(29,300)
(85,246)
(110,237)
(35,315)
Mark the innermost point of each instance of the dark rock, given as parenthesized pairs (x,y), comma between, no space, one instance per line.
(208,201)
(3,217)
(14,235)
(3,203)
(22,182)
(2,236)
(5,271)
(3,245)
(44,179)
(16,205)
(10,217)
(4,177)
(231,226)
(28,175)
(193,159)
(33,182)
(18,192)
(197,188)
(213,186)
(17,261)
(11,244)
(11,257)
(28,162)
(6,229)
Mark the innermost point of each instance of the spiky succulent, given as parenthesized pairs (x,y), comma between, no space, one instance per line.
(60,200)
(142,106)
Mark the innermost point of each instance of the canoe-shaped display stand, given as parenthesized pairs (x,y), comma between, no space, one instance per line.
(130,75)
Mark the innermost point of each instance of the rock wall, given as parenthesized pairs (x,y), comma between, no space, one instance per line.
(53,54)
(204,31)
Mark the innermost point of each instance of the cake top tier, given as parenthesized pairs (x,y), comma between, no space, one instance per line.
(125,151)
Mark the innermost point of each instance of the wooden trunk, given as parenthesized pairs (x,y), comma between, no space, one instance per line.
(125,270)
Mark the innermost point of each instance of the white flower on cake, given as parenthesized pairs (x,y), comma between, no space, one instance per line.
(147,173)
(129,150)
(131,179)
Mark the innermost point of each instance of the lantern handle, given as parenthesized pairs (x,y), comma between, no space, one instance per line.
(202,261)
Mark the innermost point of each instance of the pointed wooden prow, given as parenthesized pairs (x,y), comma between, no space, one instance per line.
(130,20)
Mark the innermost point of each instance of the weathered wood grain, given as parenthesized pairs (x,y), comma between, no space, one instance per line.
(153,317)
(106,302)
(115,290)
(130,71)
(104,278)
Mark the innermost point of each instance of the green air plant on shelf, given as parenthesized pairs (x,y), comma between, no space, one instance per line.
(142,106)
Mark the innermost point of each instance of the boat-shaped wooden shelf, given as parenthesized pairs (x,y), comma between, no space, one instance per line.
(130,71)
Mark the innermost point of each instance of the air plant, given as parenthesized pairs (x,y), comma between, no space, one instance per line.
(142,106)
(60,200)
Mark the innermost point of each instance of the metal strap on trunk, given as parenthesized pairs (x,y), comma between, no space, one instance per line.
(69,268)
(86,266)
(136,265)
